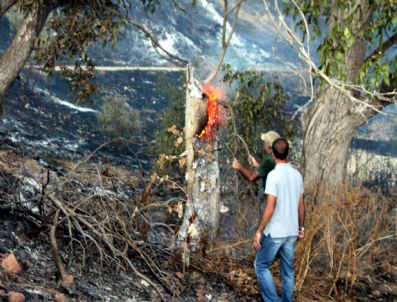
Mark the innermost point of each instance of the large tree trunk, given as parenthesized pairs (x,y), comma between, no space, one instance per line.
(15,57)
(201,219)
(329,128)
(332,120)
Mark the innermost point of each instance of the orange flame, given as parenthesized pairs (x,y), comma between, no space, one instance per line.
(215,111)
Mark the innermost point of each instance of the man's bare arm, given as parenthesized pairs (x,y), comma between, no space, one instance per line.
(267,214)
(250,175)
(301,211)
(301,215)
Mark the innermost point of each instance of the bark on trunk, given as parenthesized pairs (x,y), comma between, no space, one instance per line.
(329,127)
(332,120)
(201,218)
(15,57)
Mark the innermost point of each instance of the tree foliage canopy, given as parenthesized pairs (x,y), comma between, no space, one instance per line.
(259,105)
(69,29)
(340,24)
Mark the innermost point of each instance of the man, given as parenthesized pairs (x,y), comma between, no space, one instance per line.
(282,222)
(266,165)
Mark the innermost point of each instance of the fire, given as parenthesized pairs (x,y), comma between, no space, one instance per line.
(215,111)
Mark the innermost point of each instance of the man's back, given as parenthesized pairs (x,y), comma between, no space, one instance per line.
(286,184)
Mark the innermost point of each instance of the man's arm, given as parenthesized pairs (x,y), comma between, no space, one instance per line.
(301,214)
(267,214)
(250,175)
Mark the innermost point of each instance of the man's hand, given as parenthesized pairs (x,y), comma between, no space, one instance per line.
(253,162)
(256,241)
(301,234)
(236,164)
(250,175)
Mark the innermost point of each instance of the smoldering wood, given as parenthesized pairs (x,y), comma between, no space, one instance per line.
(201,218)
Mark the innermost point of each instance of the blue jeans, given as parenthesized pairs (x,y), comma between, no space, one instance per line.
(270,248)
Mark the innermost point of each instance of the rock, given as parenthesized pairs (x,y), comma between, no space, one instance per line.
(376,293)
(179,275)
(15,297)
(68,281)
(10,264)
(145,283)
(223,209)
(58,297)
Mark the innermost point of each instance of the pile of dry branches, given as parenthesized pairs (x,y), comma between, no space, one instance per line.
(92,212)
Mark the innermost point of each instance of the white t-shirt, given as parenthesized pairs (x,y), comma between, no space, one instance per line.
(286,184)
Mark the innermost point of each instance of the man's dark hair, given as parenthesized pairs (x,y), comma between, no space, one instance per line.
(280,148)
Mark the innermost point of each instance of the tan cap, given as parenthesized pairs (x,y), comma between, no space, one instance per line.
(269,137)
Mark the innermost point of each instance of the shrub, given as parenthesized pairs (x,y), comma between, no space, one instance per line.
(168,141)
(116,117)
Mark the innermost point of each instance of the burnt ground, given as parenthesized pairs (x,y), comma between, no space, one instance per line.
(38,130)
(46,132)
(39,278)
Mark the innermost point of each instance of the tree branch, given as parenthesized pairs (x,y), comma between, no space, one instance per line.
(382,49)
(16,55)
(235,7)
(154,41)
(225,40)
(361,105)
(5,5)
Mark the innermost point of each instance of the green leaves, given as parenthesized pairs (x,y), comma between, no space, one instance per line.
(346,29)
(70,32)
(258,105)
(348,37)
(117,118)
(394,20)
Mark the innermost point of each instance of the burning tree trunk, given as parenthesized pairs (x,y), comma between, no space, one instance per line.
(201,219)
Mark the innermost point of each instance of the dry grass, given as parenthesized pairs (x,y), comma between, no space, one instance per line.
(349,245)
(349,251)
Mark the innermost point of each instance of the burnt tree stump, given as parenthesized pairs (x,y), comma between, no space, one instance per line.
(201,218)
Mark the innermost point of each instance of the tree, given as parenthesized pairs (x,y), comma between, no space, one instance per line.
(357,77)
(60,32)
(71,27)
(201,218)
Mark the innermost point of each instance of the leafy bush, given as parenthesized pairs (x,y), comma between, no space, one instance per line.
(258,106)
(117,118)
(169,139)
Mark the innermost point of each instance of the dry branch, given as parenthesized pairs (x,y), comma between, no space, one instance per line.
(92,209)
(225,38)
